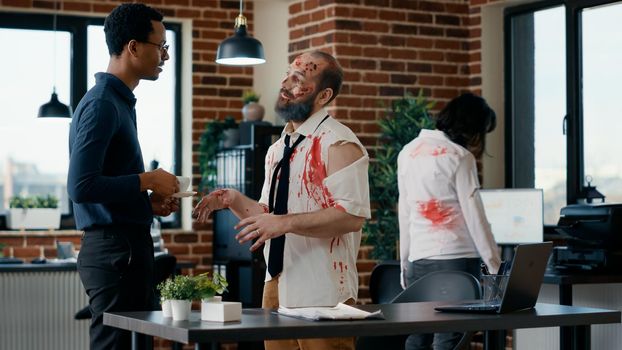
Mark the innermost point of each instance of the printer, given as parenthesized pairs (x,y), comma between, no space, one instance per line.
(593,234)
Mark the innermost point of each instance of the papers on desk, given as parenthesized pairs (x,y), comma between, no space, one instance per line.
(339,312)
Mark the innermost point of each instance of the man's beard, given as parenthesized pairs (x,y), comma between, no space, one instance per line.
(295,112)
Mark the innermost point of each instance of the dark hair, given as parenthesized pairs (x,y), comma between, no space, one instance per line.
(129,22)
(466,120)
(331,76)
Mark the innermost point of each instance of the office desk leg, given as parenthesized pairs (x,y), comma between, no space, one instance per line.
(141,341)
(494,340)
(581,337)
(565,333)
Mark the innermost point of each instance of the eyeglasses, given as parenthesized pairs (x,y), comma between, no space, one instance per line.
(162,47)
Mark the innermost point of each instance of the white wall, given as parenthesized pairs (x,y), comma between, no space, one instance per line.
(270,27)
(492,91)
(186,117)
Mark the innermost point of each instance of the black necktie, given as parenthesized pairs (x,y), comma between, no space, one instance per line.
(279,206)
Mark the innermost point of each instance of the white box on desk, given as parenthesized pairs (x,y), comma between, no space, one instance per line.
(221,311)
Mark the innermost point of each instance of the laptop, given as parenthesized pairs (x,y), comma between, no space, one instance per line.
(523,285)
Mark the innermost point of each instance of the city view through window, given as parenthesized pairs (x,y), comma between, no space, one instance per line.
(34,152)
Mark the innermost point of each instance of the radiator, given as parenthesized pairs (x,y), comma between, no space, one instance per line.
(37,309)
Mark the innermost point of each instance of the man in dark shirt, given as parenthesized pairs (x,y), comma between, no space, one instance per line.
(107,181)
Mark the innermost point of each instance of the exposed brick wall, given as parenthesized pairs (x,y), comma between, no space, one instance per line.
(386,47)
(475,43)
(29,245)
(216,89)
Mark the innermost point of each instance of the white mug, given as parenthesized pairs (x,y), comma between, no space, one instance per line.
(184,183)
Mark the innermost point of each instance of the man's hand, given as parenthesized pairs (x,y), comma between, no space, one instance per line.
(216,200)
(159,181)
(261,227)
(163,206)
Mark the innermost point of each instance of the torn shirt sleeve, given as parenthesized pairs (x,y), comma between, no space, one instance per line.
(349,188)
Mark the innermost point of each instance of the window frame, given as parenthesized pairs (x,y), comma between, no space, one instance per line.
(575,173)
(78,26)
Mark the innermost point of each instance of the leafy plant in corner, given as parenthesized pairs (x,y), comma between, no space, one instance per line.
(249,96)
(402,123)
(48,201)
(208,286)
(209,143)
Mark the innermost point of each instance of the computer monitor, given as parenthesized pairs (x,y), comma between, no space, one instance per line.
(515,215)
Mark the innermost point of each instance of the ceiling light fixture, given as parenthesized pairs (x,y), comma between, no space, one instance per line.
(54,108)
(240,49)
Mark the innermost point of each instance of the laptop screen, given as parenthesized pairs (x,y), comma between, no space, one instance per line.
(515,215)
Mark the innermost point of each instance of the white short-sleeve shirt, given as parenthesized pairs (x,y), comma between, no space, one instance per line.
(441,215)
(319,271)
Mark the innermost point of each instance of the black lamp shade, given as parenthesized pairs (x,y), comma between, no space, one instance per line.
(54,109)
(240,50)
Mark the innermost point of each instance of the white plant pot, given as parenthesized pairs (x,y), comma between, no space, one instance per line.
(167,308)
(214,309)
(33,218)
(181,309)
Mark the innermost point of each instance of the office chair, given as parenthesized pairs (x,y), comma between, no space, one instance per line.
(164,266)
(384,282)
(435,286)
(384,286)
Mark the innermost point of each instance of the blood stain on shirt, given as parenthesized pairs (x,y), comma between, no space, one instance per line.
(439,151)
(334,241)
(415,152)
(434,211)
(291,158)
(314,174)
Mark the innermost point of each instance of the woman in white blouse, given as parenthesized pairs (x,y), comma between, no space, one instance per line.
(442,221)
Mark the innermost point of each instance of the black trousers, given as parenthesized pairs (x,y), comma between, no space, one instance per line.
(116,269)
(420,268)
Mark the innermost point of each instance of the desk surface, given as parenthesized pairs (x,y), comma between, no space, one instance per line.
(261,324)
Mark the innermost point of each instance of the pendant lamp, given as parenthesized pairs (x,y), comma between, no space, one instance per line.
(54,108)
(240,49)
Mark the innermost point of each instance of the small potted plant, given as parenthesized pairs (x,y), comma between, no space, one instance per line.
(208,287)
(34,212)
(182,292)
(166,295)
(252,110)
(212,306)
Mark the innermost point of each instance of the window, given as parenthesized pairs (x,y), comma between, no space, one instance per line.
(560,130)
(34,154)
(602,111)
(155,100)
(33,151)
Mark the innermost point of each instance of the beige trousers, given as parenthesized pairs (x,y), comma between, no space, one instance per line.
(271,301)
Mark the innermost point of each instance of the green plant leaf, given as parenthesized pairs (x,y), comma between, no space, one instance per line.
(209,143)
(401,124)
(25,202)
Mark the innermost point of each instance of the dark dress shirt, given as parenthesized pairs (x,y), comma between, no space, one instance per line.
(105,158)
